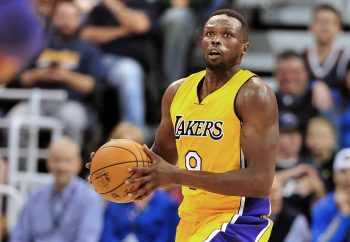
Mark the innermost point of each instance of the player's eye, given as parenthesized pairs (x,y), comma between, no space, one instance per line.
(210,34)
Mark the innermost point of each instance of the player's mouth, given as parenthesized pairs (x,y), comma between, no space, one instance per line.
(214,53)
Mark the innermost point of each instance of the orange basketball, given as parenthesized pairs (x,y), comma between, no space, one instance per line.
(109,169)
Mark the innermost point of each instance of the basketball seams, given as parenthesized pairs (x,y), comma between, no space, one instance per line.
(115,146)
(104,157)
(124,162)
(121,184)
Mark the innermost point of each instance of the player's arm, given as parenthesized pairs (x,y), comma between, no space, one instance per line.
(164,144)
(257,108)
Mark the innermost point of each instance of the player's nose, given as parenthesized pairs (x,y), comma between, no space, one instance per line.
(216,40)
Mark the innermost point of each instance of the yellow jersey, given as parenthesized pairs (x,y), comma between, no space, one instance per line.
(207,137)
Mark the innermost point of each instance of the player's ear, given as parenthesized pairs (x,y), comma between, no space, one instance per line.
(245,48)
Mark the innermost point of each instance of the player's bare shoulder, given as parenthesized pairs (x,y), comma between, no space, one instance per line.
(256,95)
(171,91)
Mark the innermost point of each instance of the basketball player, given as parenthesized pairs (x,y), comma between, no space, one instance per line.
(20,36)
(220,126)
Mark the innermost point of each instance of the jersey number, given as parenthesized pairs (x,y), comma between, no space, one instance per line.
(193,162)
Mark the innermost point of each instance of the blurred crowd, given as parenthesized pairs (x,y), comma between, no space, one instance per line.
(114,58)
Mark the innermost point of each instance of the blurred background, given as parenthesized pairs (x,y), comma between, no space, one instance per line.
(99,71)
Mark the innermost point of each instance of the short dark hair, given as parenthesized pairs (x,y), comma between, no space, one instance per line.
(287,54)
(327,7)
(236,15)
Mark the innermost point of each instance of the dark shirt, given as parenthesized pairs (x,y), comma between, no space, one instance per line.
(136,45)
(74,55)
(300,105)
(325,170)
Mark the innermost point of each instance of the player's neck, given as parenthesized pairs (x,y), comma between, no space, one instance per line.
(216,78)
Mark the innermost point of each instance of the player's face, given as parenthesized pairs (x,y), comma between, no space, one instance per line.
(291,75)
(222,44)
(63,163)
(326,26)
(66,19)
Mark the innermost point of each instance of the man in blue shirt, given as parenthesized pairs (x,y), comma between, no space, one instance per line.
(153,219)
(331,215)
(67,210)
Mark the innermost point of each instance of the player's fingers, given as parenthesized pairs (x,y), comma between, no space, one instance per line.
(142,192)
(92,154)
(88,165)
(138,180)
(140,170)
(150,153)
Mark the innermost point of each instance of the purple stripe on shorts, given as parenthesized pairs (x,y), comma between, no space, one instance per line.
(245,229)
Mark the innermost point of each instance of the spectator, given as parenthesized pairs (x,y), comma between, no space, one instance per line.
(67,210)
(289,224)
(70,64)
(321,147)
(331,215)
(294,95)
(301,185)
(20,37)
(153,219)
(126,130)
(121,28)
(324,57)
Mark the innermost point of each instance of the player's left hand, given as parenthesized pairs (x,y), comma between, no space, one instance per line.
(160,174)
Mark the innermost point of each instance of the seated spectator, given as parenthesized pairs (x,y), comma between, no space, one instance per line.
(289,224)
(325,60)
(295,95)
(121,29)
(301,185)
(126,130)
(68,210)
(20,37)
(321,146)
(152,219)
(142,220)
(70,64)
(331,215)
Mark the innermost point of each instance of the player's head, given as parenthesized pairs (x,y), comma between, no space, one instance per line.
(21,36)
(326,24)
(225,39)
(291,73)
(66,18)
(64,161)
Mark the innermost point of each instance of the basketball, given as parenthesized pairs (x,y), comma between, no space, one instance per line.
(109,169)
